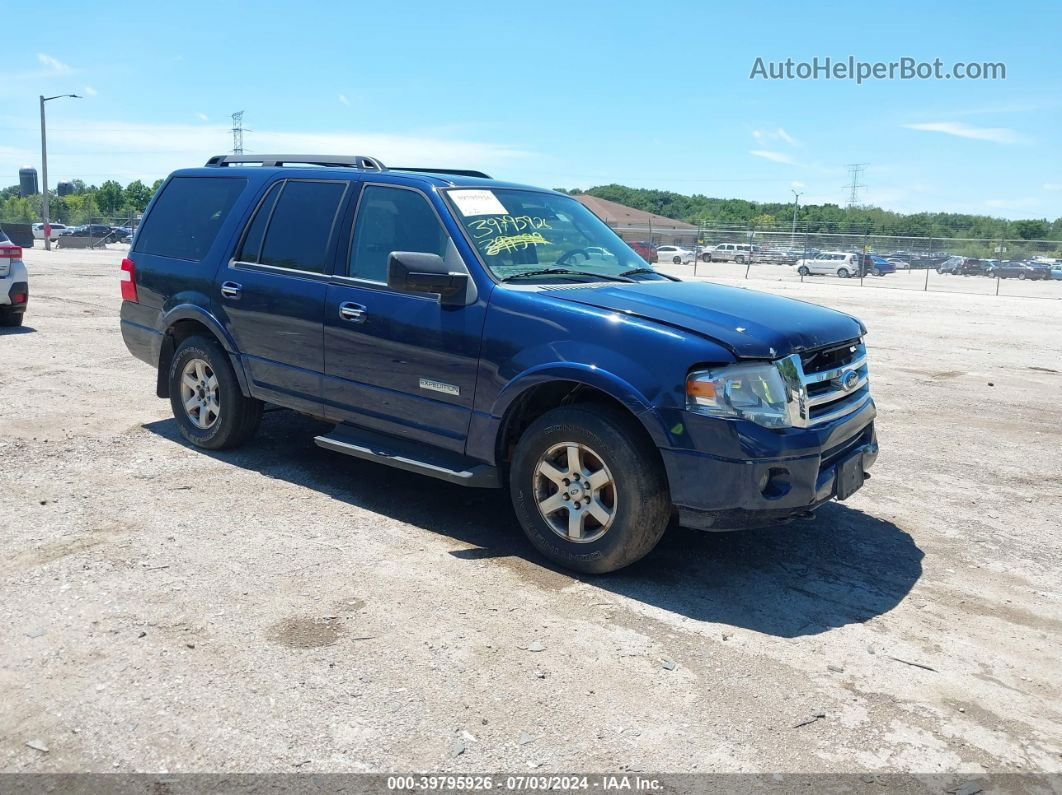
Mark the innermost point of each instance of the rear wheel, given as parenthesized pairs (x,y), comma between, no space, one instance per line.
(843,273)
(740,260)
(803,270)
(706,257)
(210,409)
(589,489)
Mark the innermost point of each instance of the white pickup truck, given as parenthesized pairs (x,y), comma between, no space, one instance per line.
(14,283)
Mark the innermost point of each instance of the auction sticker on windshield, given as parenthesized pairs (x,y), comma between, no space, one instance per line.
(477,202)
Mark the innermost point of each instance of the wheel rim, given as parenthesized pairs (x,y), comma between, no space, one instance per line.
(199,394)
(575,492)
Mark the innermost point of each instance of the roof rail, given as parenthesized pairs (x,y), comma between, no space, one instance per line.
(460,172)
(350,161)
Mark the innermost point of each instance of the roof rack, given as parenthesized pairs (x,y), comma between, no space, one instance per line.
(349,161)
(460,172)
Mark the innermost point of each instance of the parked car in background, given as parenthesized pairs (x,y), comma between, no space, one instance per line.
(830,263)
(58,230)
(873,265)
(675,254)
(730,252)
(1056,271)
(14,283)
(1016,269)
(645,250)
(97,231)
(900,263)
(965,266)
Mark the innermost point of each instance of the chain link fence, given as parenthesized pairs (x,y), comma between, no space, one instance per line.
(1004,266)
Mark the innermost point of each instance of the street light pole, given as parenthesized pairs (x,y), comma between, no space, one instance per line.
(796,204)
(44,170)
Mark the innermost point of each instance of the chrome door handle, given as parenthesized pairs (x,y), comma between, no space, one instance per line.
(230,289)
(352,312)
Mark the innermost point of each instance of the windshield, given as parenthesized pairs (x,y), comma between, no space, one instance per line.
(519,233)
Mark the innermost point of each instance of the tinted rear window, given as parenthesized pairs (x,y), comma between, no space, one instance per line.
(300,228)
(187,216)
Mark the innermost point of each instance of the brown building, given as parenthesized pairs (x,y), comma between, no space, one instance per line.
(631,224)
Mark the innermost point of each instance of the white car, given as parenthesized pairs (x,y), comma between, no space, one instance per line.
(830,263)
(58,230)
(731,252)
(14,283)
(675,254)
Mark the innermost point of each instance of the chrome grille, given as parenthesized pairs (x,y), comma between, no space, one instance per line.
(826,384)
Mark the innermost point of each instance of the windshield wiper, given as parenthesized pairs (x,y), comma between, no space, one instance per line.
(566,272)
(636,271)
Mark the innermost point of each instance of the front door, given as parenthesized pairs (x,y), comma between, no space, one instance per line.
(397,362)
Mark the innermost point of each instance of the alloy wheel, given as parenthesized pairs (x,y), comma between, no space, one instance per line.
(575,492)
(199,394)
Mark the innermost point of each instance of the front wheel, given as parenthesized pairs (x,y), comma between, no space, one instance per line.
(677,260)
(210,409)
(589,489)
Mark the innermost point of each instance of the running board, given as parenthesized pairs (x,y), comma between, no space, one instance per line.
(410,456)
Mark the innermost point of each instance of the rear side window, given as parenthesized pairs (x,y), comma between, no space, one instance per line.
(186,217)
(251,246)
(300,227)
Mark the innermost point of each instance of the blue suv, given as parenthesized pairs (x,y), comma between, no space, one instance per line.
(492,335)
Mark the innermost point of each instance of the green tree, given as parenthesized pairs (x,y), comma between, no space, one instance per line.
(137,195)
(110,197)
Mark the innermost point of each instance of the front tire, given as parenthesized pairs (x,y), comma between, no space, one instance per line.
(589,489)
(677,260)
(205,396)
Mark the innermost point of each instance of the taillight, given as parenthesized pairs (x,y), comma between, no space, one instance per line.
(10,252)
(128,280)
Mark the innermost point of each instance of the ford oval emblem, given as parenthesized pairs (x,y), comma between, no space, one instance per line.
(849,380)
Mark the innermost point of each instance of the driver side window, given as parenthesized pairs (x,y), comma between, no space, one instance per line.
(392,219)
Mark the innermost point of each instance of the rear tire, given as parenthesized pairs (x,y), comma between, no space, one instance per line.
(843,273)
(205,396)
(740,260)
(803,270)
(706,257)
(621,481)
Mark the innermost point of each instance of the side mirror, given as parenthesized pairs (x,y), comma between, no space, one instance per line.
(416,272)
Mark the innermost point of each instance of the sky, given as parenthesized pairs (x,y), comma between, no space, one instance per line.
(558,94)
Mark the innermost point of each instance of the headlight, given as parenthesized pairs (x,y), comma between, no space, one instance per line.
(755,392)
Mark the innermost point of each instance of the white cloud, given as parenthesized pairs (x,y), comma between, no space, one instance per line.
(999,135)
(797,184)
(343,99)
(53,64)
(202,117)
(127,151)
(777,157)
(90,91)
(1053,186)
(1010,204)
(765,137)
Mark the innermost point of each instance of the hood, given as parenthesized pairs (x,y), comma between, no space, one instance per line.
(750,324)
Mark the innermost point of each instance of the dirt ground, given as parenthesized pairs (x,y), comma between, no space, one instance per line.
(283,608)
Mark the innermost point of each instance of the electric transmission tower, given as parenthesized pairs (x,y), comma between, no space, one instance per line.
(237,132)
(856,170)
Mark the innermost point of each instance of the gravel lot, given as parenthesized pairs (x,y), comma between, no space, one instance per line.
(282,608)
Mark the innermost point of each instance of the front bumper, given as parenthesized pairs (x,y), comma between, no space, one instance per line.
(751,487)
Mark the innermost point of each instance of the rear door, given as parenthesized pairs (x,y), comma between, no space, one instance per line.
(273,290)
(396,362)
